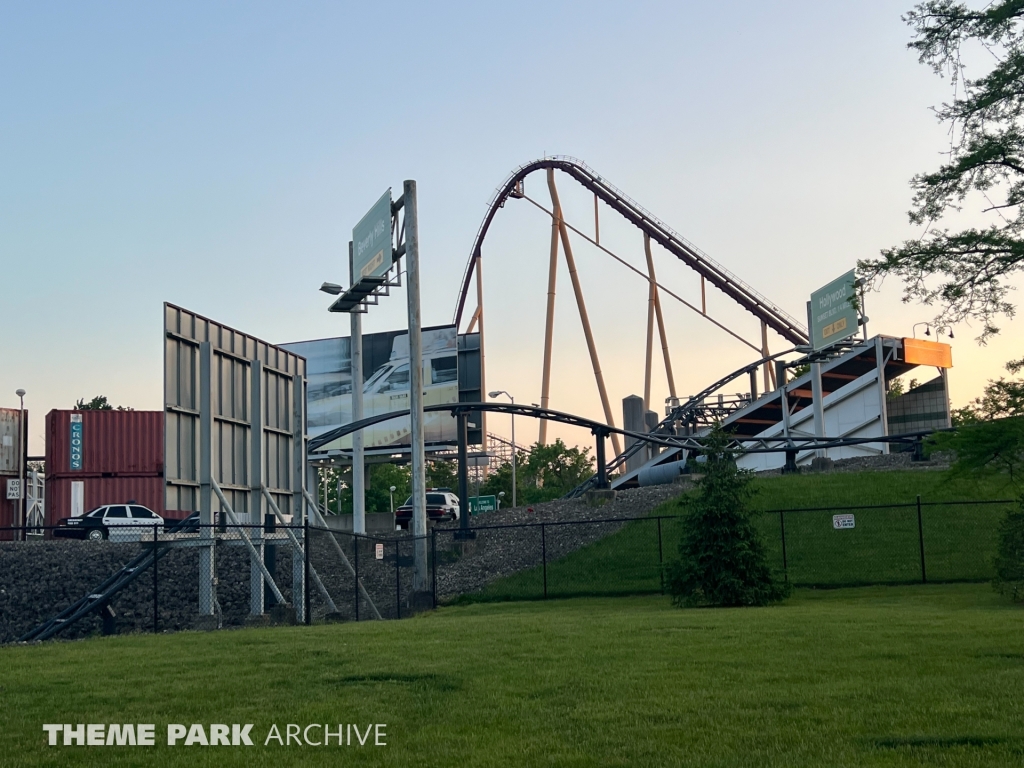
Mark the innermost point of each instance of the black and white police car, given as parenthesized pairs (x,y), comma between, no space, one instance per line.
(117,522)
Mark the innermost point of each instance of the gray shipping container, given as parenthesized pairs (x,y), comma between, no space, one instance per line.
(9,418)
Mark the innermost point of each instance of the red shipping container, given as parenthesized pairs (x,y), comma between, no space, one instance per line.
(8,511)
(113,443)
(97,491)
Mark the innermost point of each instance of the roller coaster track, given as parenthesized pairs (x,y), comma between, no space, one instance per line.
(679,413)
(720,277)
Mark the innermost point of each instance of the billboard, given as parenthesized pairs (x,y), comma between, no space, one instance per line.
(832,315)
(277,416)
(386,384)
(371,242)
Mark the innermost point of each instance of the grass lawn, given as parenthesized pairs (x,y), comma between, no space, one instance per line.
(876,676)
(884,547)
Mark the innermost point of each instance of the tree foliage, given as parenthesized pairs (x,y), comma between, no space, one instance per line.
(722,561)
(98,403)
(543,473)
(1009,560)
(989,436)
(989,439)
(965,271)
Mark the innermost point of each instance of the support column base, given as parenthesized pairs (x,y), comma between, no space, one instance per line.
(283,613)
(421,601)
(599,497)
(205,623)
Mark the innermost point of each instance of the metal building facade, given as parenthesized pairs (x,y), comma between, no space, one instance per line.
(234,355)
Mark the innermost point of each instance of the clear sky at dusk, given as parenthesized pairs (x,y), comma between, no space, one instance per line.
(216,155)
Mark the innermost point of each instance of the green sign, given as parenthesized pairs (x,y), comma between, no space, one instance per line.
(478,504)
(371,242)
(832,314)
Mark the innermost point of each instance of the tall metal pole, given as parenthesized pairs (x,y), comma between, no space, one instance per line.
(883,406)
(513,454)
(256,582)
(602,466)
(206,535)
(513,400)
(419,480)
(358,455)
(464,509)
(21,461)
(483,356)
(818,395)
(765,353)
(652,295)
(300,472)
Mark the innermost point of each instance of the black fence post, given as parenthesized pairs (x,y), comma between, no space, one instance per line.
(782,526)
(355,558)
(156,580)
(920,539)
(398,581)
(661,560)
(307,604)
(544,558)
(433,564)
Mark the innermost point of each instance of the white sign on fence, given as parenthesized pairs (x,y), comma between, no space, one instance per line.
(842,521)
(379,551)
(14,488)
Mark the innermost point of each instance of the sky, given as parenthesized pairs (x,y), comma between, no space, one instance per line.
(216,155)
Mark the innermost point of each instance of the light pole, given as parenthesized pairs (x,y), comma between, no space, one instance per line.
(506,394)
(391,493)
(21,459)
(927,329)
(501,495)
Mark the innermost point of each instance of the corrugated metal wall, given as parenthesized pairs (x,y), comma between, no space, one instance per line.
(113,442)
(8,510)
(9,441)
(9,466)
(147,491)
(231,388)
(121,457)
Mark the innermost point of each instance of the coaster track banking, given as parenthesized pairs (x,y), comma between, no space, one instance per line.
(744,295)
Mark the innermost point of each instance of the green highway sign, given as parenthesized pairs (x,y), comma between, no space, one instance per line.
(478,504)
(832,315)
(371,242)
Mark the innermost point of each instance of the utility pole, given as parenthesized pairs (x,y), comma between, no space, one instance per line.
(419,479)
(21,461)
(358,455)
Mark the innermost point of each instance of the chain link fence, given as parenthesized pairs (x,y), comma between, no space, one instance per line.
(73,588)
(912,542)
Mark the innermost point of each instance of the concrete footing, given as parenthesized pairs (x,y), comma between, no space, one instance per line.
(205,623)
(283,613)
(822,464)
(597,498)
(421,601)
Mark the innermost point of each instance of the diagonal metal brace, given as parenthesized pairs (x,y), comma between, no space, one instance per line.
(298,548)
(252,550)
(341,553)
